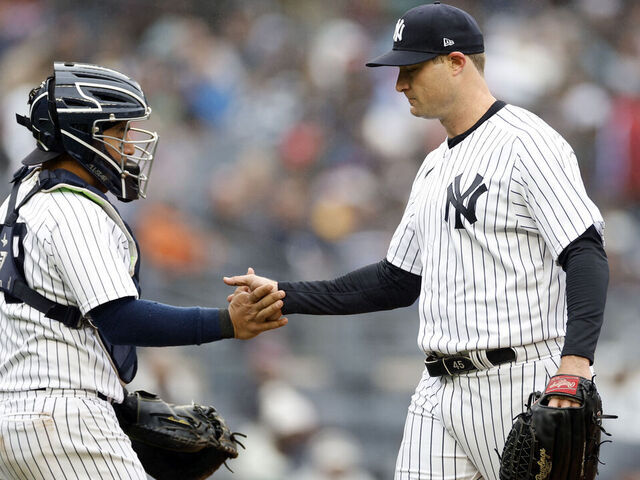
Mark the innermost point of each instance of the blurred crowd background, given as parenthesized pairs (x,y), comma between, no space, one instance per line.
(279,150)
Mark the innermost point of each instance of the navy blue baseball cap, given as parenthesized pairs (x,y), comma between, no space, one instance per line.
(427,31)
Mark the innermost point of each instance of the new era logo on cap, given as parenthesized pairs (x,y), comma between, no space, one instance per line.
(427,31)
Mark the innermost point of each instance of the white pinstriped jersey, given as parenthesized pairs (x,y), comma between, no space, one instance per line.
(485,223)
(75,253)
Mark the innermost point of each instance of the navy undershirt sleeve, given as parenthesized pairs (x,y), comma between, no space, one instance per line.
(380,286)
(585,263)
(143,323)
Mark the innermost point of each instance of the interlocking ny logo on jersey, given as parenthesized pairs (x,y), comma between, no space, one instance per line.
(397,35)
(455,198)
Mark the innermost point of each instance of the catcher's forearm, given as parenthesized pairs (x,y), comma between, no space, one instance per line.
(585,263)
(380,286)
(143,323)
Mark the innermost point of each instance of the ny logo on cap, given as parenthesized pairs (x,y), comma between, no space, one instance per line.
(397,35)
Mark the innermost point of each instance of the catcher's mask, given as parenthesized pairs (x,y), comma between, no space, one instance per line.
(69,113)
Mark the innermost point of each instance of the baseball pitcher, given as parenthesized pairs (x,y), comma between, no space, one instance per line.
(504,250)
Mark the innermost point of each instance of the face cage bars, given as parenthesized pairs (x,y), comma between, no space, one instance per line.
(142,157)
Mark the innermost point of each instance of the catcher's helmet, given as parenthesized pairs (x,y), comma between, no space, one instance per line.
(69,112)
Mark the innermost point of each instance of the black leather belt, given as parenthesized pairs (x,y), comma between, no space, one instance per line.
(463,363)
(101,396)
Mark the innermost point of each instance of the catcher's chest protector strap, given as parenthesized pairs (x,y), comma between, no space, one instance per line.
(12,280)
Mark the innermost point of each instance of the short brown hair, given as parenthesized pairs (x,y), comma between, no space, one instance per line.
(477,59)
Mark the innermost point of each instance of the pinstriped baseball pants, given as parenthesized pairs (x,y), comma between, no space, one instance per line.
(456,424)
(64,434)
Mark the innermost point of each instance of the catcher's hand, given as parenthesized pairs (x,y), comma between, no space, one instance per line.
(550,443)
(256,311)
(251,283)
(189,442)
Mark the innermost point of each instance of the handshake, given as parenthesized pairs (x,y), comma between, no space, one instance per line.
(255,306)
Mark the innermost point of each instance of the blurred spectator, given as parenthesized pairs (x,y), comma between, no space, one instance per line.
(335,455)
(277,442)
(618,153)
(172,375)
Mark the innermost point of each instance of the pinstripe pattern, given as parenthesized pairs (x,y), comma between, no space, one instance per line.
(489,280)
(503,265)
(456,425)
(63,434)
(74,255)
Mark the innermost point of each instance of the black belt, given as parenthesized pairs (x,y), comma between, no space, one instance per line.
(463,363)
(101,396)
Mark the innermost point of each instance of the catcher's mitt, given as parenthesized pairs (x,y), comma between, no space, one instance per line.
(551,443)
(175,441)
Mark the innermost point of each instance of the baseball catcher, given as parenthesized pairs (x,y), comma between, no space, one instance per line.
(189,442)
(549,443)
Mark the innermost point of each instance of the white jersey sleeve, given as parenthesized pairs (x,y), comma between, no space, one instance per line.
(89,251)
(547,170)
(404,249)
